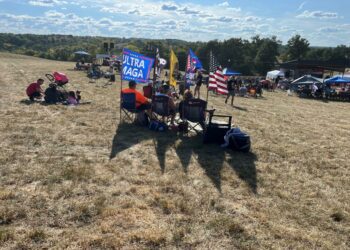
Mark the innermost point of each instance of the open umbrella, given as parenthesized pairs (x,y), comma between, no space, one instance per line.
(81,53)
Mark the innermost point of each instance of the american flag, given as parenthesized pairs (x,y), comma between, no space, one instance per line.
(220,81)
(216,77)
(213,62)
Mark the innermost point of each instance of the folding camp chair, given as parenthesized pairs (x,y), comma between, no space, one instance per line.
(194,111)
(128,107)
(160,107)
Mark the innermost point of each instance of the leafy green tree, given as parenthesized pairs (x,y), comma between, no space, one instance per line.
(297,47)
(266,56)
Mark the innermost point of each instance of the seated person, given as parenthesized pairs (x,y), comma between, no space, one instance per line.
(72,99)
(141,102)
(53,95)
(187,96)
(164,91)
(243,91)
(78,66)
(34,90)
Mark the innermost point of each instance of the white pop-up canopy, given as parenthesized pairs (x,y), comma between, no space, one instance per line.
(274,74)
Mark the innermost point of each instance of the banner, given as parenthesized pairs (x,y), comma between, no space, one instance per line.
(136,67)
(174,65)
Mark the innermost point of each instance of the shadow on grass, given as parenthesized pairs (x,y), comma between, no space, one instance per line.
(240,108)
(28,102)
(244,166)
(210,157)
(126,136)
(162,142)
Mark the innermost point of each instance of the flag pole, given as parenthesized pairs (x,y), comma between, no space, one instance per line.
(208,90)
(121,90)
(121,101)
(154,72)
(209,76)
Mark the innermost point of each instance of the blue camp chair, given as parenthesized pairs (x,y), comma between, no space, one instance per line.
(128,107)
(160,108)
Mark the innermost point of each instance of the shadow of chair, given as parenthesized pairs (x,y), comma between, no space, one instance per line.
(211,159)
(127,136)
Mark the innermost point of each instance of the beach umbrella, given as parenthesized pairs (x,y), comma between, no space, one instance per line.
(81,53)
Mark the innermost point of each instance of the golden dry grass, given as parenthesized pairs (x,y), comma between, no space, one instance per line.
(71,177)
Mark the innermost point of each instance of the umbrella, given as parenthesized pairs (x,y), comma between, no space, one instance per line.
(229,72)
(337,79)
(82,53)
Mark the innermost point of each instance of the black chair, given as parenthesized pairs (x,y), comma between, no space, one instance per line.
(160,107)
(215,131)
(194,111)
(128,107)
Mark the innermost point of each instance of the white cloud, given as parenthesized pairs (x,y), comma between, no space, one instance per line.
(224,4)
(318,14)
(46,3)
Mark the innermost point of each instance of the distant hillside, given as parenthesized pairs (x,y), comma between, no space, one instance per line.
(254,56)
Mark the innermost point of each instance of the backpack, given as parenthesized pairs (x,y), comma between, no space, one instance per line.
(238,140)
(142,119)
(158,126)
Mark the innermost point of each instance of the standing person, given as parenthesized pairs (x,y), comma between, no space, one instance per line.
(198,84)
(231,90)
(34,90)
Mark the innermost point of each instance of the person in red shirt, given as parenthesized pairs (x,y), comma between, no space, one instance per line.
(141,102)
(34,90)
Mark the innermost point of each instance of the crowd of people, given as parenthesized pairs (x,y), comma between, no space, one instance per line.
(143,103)
(52,94)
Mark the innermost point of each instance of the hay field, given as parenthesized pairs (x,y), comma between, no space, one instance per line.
(72,177)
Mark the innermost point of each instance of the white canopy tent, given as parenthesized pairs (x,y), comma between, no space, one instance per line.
(272,75)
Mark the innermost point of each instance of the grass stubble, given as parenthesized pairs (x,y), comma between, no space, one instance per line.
(72,177)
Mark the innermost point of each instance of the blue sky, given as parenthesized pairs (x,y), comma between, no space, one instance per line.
(322,22)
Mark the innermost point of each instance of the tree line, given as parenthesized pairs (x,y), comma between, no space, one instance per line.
(253,56)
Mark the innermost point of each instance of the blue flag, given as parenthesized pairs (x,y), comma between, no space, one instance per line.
(136,67)
(195,63)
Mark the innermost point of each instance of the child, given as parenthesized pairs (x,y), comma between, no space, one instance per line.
(34,90)
(72,100)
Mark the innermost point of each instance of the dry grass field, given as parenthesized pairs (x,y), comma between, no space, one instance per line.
(72,177)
